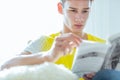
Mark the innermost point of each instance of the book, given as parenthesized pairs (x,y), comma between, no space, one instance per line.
(93,56)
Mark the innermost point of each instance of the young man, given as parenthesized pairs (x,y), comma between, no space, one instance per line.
(75,14)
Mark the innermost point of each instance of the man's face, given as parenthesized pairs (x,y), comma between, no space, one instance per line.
(75,14)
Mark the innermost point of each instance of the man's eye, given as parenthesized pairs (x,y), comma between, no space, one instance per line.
(85,11)
(73,10)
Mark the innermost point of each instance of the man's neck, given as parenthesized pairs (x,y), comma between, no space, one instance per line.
(80,34)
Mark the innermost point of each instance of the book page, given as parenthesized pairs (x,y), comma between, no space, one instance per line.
(89,57)
(112,58)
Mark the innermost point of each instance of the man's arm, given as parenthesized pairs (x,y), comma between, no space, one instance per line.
(63,45)
(26,58)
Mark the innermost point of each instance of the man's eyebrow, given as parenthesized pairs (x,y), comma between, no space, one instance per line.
(83,8)
(72,8)
(86,8)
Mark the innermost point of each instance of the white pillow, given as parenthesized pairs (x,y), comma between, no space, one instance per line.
(45,71)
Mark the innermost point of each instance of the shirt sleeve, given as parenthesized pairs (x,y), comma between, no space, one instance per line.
(36,45)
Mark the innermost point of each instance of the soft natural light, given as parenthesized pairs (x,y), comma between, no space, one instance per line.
(23,20)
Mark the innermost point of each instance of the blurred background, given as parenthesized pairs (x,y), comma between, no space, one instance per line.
(23,20)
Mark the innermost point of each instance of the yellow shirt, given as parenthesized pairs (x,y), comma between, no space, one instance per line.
(68,59)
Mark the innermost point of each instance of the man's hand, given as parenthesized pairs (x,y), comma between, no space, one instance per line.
(11,62)
(64,44)
(89,76)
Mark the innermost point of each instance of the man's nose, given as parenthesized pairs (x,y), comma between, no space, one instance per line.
(79,18)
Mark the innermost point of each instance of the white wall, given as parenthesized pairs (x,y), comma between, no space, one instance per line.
(22,20)
(98,23)
(114,16)
(105,18)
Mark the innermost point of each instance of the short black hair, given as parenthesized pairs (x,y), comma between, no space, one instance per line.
(63,1)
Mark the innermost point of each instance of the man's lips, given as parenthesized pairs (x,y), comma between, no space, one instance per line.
(78,25)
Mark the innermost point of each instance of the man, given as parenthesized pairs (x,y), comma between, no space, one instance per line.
(75,14)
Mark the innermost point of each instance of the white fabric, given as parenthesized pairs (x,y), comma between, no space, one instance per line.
(36,45)
(46,71)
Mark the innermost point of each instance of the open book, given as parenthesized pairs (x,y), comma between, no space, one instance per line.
(92,56)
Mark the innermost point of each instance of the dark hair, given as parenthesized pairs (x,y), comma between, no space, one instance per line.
(63,1)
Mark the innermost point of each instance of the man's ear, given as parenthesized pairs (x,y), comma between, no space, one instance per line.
(60,8)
